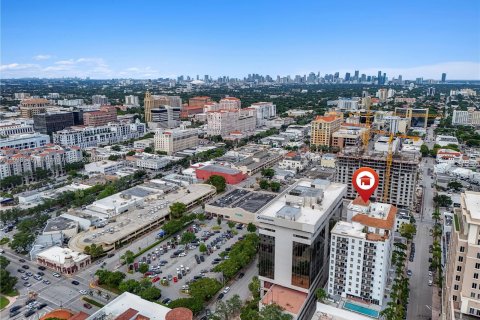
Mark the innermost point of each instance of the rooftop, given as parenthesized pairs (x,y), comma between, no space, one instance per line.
(59,254)
(125,302)
(245,199)
(472,203)
(59,224)
(219,168)
(290,300)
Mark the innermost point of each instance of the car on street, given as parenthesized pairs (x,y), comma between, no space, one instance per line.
(14,313)
(75,282)
(409,272)
(29,313)
(41,306)
(56,275)
(84,292)
(42,268)
(166,301)
(87,305)
(241,275)
(21,260)
(25,267)
(220,296)
(430,273)
(27,284)
(15,308)
(46,281)
(225,291)
(21,271)
(430,282)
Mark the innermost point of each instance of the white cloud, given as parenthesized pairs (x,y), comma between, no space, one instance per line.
(16,66)
(40,57)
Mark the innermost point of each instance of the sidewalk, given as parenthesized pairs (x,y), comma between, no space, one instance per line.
(436,304)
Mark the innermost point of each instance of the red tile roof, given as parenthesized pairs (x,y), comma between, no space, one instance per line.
(127,314)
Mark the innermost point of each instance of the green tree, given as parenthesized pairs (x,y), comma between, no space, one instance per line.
(113,157)
(219,220)
(275,186)
(115,278)
(22,241)
(442,200)
(251,227)
(321,294)
(8,282)
(455,185)
(143,267)
(116,148)
(202,248)
(205,288)
(131,153)
(408,230)
(273,312)
(234,305)
(268,172)
(231,224)
(128,257)
(194,304)
(151,293)
(264,184)
(177,209)
(254,287)
(424,150)
(4,262)
(130,285)
(148,150)
(187,237)
(218,182)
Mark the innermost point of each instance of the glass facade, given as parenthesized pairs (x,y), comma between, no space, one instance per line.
(307,261)
(266,256)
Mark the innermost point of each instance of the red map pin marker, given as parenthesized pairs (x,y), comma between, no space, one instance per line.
(365,181)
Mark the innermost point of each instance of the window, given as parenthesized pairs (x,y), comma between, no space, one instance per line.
(478,255)
(475,276)
(454,298)
(457,278)
(266,256)
(462,249)
(455,287)
(472,295)
(477,265)
(459,268)
(474,285)
(460,259)
(471,311)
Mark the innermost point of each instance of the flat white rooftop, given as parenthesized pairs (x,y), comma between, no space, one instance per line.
(58,254)
(472,202)
(332,192)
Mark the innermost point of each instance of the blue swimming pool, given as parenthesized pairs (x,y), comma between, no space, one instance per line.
(361,309)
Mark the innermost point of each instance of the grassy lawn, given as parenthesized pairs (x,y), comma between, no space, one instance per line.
(3,302)
(93,302)
(457,226)
(13,293)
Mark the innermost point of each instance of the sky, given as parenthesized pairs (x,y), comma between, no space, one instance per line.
(105,39)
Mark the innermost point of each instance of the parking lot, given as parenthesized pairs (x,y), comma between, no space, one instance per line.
(171,272)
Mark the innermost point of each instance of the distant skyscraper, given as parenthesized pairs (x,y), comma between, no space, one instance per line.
(363,78)
(337,75)
(444,77)
(356,74)
(384,78)
(400,79)
(379,77)
(347,76)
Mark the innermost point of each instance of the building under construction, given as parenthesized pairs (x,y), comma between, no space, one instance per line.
(403,174)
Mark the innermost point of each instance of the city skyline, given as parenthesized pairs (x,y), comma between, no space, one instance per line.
(92,39)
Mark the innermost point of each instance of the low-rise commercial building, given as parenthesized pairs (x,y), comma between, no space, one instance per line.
(104,167)
(449,156)
(24,141)
(63,260)
(50,122)
(144,143)
(444,141)
(102,117)
(31,107)
(232,176)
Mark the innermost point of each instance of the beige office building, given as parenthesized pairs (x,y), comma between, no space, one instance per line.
(323,128)
(462,294)
(171,141)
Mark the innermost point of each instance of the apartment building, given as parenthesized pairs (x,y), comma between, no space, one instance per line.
(25,162)
(30,107)
(403,175)
(348,104)
(230,103)
(265,111)
(24,141)
(92,136)
(322,130)
(462,292)
(195,106)
(12,128)
(99,99)
(471,117)
(171,141)
(50,122)
(294,244)
(105,115)
(361,250)
(223,122)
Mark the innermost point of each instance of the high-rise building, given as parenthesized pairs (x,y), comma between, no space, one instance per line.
(171,141)
(379,77)
(50,122)
(444,77)
(361,250)
(105,115)
(165,117)
(382,94)
(347,76)
(356,75)
(99,100)
(322,130)
(265,112)
(132,100)
(294,244)
(195,106)
(403,175)
(431,91)
(471,117)
(224,122)
(462,292)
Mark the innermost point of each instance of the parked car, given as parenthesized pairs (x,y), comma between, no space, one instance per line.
(25,267)
(42,268)
(225,291)
(14,313)
(166,301)
(41,306)
(75,282)
(15,308)
(29,313)
(21,271)
(87,305)
(220,296)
